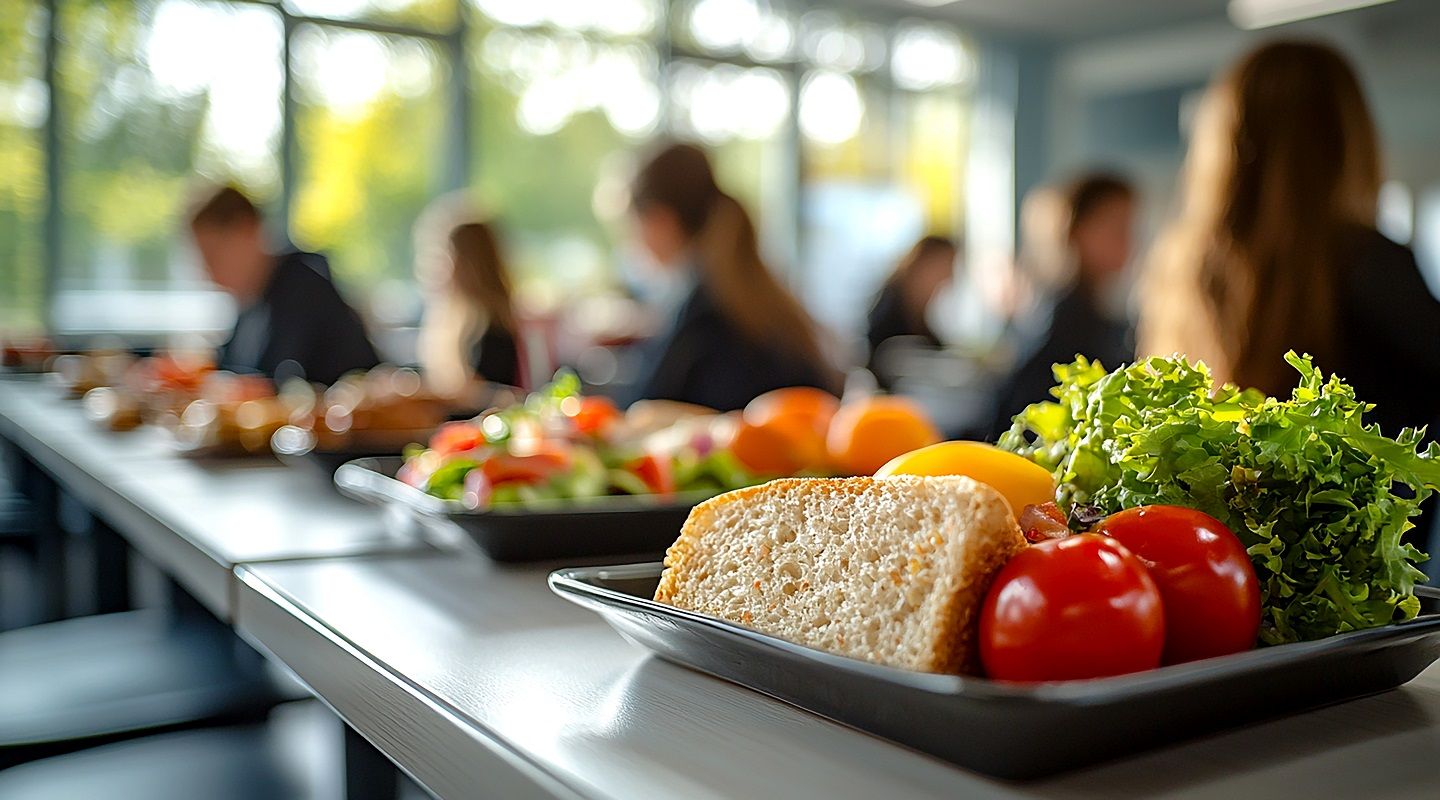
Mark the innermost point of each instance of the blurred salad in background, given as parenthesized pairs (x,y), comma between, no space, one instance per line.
(560,445)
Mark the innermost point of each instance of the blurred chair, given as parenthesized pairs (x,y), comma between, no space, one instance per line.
(240,762)
(17,534)
(69,685)
(92,680)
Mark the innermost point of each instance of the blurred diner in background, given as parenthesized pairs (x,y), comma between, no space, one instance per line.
(739,238)
(1275,247)
(735,332)
(290,318)
(1080,236)
(469,329)
(903,302)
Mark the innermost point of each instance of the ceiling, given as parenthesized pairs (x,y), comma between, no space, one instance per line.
(1063,19)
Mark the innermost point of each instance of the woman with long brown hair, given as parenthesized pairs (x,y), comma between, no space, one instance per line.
(468,330)
(1275,246)
(739,332)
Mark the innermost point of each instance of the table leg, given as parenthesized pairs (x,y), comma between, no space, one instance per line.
(44,496)
(368,774)
(112,568)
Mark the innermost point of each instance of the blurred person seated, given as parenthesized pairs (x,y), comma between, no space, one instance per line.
(468,330)
(1275,246)
(738,332)
(292,321)
(1082,254)
(899,308)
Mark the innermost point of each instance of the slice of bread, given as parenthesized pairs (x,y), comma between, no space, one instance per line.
(892,571)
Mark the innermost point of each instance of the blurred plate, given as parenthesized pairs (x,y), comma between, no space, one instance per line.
(581,528)
(1008,730)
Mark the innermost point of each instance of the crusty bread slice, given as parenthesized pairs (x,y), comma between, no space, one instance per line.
(892,571)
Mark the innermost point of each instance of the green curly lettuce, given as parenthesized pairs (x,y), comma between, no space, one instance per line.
(1320,499)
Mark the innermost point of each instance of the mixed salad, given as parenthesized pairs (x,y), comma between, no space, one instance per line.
(1319,499)
(1173,520)
(559,445)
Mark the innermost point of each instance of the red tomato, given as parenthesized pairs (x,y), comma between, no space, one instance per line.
(1211,594)
(595,416)
(1072,608)
(655,471)
(534,468)
(456,437)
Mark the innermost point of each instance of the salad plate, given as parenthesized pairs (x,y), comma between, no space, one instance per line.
(1009,730)
(536,531)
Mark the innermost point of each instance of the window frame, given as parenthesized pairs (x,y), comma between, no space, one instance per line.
(460,137)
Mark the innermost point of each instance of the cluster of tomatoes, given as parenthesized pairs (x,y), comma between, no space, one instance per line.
(1146,587)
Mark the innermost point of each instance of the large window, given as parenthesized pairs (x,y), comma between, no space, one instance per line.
(435,15)
(843,132)
(743,115)
(153,94)
(370,124)
(553,107)
(22,176)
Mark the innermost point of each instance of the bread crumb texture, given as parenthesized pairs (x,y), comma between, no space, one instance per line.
(892,571)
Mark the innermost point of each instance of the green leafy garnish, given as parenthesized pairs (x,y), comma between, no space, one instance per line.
(718,470)
(627,482)
(1320,499)
(448,481)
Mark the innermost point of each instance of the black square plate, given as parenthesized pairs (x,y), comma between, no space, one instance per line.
(563,529)
(1010,731)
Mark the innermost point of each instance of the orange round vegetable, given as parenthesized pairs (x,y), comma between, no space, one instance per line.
(815,406)
(867,433)
(802,414)
(765,449)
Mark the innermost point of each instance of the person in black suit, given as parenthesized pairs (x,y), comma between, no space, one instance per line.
(1092,217)
(739,333)
(900,306)
(1275,248)
(292,322)
(469,329)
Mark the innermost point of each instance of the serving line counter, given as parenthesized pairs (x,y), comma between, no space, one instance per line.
(195,518)
(479,682)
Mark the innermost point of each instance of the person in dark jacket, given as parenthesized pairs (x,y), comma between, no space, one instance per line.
(292,322)
(1094,217)
(1390,346)
(739,333)
(900,306)
(1275,247)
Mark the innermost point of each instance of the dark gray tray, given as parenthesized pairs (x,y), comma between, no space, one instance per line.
(564,529)
(1017,732)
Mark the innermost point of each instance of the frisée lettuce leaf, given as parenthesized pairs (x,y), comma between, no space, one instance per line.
(1320,499)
